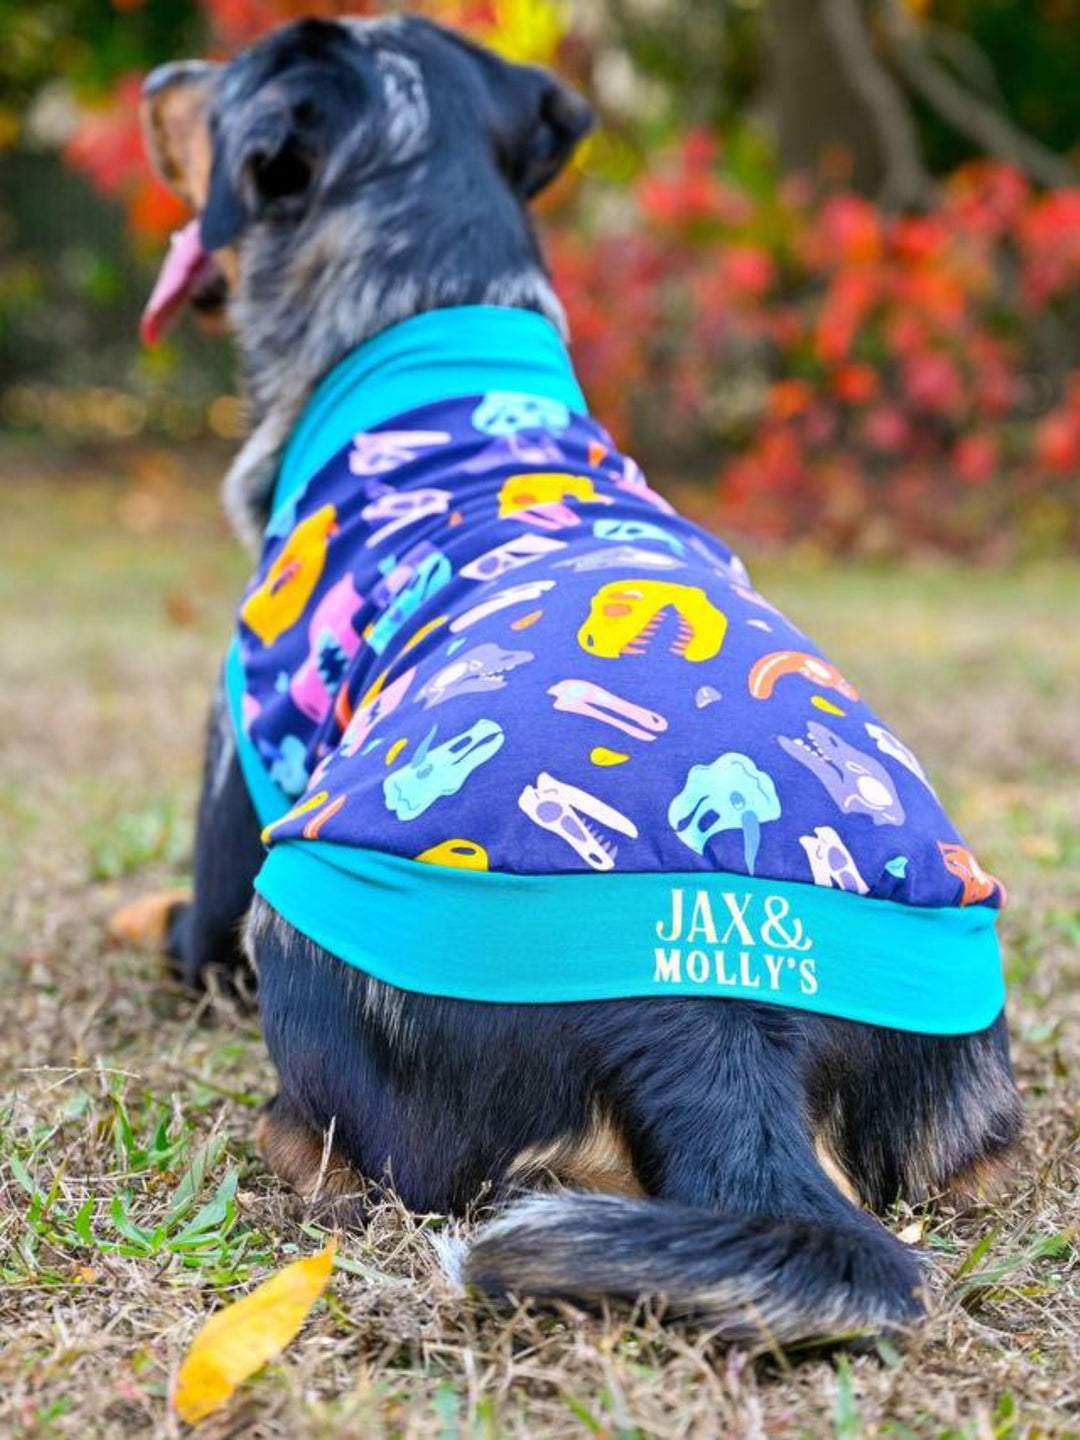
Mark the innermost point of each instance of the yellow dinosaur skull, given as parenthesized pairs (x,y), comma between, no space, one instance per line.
(624,615)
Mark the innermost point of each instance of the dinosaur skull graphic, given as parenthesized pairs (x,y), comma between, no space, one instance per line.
(730,794)
(831,862)
(398,509)
(621,557)
(978,884)
(625,615)
(889,744)
(578,818)
(333,643)
(633,531)
(504,412)
(388,450)
(485,667)
(856,782)
(430,574)
(519,447)
(371,710)
(436,771)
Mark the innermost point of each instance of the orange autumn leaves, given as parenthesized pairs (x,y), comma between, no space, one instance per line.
(239,1340)
(849,370)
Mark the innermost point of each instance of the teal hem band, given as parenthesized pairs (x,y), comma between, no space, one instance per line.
(549,939)
(270,803)
(440,355)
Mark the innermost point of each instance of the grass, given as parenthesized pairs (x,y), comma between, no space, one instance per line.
(131,1200)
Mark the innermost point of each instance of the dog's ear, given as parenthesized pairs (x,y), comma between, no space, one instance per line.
(537,121)
(176,132)
(224,214)
(561,121)
(272,169)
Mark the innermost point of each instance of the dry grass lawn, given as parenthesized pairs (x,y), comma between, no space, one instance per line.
(131,1201)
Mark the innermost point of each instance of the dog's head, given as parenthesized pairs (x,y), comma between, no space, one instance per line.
(273,150)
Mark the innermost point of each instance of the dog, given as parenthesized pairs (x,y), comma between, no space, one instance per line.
(593,889)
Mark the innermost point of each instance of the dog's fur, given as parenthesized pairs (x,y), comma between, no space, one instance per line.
(354,174)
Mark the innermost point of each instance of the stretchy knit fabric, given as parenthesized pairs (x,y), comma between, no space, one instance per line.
(519,732)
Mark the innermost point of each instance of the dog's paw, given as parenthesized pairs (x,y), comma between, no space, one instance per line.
(145,922)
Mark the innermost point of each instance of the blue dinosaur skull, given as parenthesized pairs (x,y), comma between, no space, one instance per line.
(440,770)
(431,574)
(504,412)
(631,531)
(730,794)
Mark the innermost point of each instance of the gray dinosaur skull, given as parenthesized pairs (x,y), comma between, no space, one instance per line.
(485,667)
(856,782)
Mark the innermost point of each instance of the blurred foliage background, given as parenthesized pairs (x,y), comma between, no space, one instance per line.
(822,258)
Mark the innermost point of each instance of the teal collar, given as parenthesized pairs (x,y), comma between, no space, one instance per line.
(440,355)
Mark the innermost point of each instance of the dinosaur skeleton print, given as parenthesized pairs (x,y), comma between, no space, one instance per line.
(479,639)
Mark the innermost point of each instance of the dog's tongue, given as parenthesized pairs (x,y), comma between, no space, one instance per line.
(185,265)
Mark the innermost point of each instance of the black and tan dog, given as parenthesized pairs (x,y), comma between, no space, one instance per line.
(716,1152)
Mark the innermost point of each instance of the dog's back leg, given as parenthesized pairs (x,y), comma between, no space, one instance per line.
(744,1226)
(915,1115)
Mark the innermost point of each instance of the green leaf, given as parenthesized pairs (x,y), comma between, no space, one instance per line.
(213,1215)
(83,1220)
(193,1180)
(583,1414)
(126,1227)
(846,1420)
(975,1255)
(22,1175)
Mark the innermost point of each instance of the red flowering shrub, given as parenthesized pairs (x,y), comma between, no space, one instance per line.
(862,379)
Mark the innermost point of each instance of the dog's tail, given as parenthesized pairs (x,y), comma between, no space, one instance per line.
(756,1278)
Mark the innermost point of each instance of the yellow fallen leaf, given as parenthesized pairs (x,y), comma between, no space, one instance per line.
(240,1339)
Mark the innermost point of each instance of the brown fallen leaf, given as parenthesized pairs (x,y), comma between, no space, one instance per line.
(240,1339)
